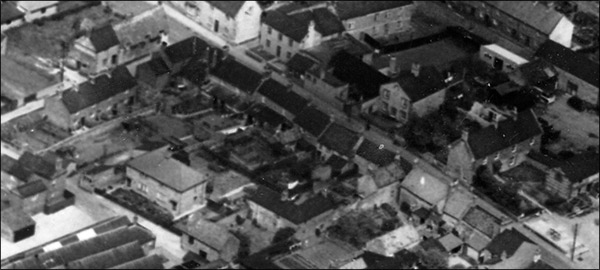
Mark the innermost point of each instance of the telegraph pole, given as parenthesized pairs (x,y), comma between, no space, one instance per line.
(574,242)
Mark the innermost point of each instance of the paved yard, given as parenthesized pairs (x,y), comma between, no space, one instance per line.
(578,129)
(588,235)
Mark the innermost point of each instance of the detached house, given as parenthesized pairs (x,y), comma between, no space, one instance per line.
(100,98)
(510,250)
(573,176)
(375,18)
(209,240)
(283,34)
(162,178)
(577,74)
(500,146)
(421,90)
(235,21)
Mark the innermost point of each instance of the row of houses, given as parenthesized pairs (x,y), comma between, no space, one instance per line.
(16,13)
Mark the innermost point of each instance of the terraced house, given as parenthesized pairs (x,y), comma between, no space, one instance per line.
(375,18)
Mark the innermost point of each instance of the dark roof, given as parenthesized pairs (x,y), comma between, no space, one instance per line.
(150,262)
(340,139)
(38,165)
(300,63)
(313,121)
(265,114)
(103,38)
(507,241)
(352,9)
(186,49)
(229,71)
(296,26)
(336,162)
(572,62)
(290,210)
(282,96)
(157,66)
(230,8)
(10,12)
(31,189)
(103,88)
(352,70)
(378,156)
(99,169)
(194,71)
(433,244)
(264,258)
(422,213)
(110,258)
(509,132)
(581,166)
(12,167)
(429,82)
(536,15)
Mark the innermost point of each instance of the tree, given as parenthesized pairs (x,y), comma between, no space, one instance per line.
(433,259)
(283,234)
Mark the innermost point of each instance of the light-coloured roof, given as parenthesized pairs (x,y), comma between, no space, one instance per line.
(477,240)
(135,29)
(394,241)
(209,233)
(169,171)
(506,53)
(425,186)
(35,5)
(450,241)
(320,256)
(458,202)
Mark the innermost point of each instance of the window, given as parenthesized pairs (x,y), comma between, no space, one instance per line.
(403,115)
(289,55)
(280,36)
(532,142)
(393,111)
(43,10)
(143,187)
(386,94)
(190,240)
(350,25)
(278,53)
(487,55)
(269,30)
(290,42)
(526,40)
(571,87)
(513,160)
(404,103)
(268,43)
(514,148)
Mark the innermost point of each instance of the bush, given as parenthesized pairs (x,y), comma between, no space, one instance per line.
(576,103)
(283,234)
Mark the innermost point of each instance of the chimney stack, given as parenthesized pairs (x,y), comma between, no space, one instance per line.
(393,66)
(465,135)
(415,69)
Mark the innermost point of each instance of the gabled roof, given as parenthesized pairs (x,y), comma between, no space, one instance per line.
(402,260)
(394,241)
(580,166)
(194,71)
(10,12)
(38,165)
(482,220)
(157,66)
(353,9)
(295,213)
(477,240)
(230,8)
(336,162)
(186,49)
(375,154)
(229,71)
(104,87)
(149,262)
(296,26)
(12,167)
(32,188)
(489,140)
(141,26)
(458,203)
(168,171)
(507,241)
(209,233)
(266,114)
(300,63)
(15,219)
(425,186)
(450,241)
(110,258)
(352,70)
(103,38)
(429,82)
(536,15)
(282,96)
(572,62)
(340,139)
(313,121)
(35,5)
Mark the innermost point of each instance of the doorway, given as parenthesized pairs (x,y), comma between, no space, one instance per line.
(216,26)
(498,63)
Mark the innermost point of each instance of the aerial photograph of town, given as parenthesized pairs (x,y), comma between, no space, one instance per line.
(300,135)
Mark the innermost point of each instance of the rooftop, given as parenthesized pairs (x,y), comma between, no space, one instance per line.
(15,219)
(160,166)
(375,153)
(229,71)
(148,262)
(110,258)
(283,96)
(207,232)
(572,62)
(354,71)
(450,241)
(507,241)
(394,241)
(103,38)
(313,120)
(230,8)
(295,212)
(10,12)
(491,139)
(322,255)
(103,87)
(576,168)
(425,186)
(538,16)
(265,114)
(482,221)
(141,27)
(428,82)
(186,49)
(458,202)
(32,188)
(37,164)
(340,139)
(352,9)
(296,26)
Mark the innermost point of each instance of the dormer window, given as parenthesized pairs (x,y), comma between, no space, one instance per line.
(514,148)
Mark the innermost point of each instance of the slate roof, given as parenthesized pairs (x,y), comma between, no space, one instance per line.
(313,121)
(401,260)
(186,49)
(537,16)
(209,233)
(229,71)
(10,12)
(12,167)
(425,186)
(110,258)
(572,62)
(295,213)
(194,71)
(353,9)
(103,38)
(157,66)
(38,165)
(31,189)
(282,96)
(296,26)
(340,139)
(354,71)
(300,63)
(429,82)
(104,87)
(507,241)
(482,221)
(489,140)
(149,262)
(230,8)
(378,156)
(581,166)
(168,171)
(336,162)
(266,114)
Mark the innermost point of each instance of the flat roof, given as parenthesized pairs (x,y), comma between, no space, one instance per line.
(506,53)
